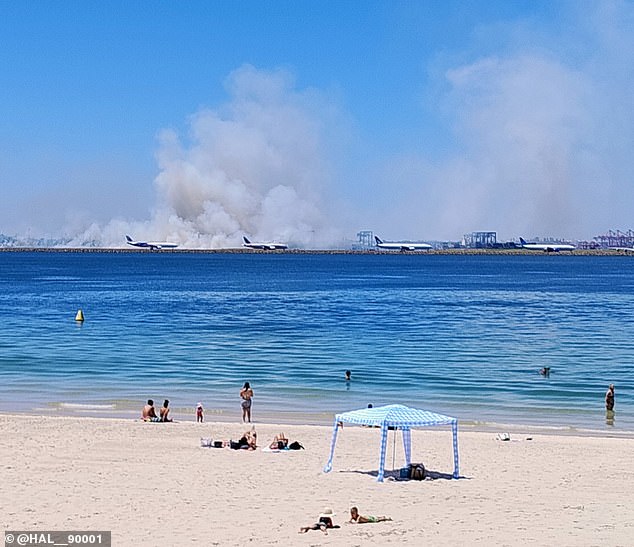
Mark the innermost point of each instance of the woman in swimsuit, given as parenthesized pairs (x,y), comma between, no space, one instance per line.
(280,442)
(165,412)
(356,518)
(246,394)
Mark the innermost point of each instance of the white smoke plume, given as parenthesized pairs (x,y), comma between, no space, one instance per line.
(256,166)
(538,132)
(542,138)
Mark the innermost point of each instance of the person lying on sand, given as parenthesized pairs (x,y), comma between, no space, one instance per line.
(356,518)
(248,441)
(325,522)
(280,442)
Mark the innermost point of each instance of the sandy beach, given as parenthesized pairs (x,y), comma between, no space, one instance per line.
(153,484)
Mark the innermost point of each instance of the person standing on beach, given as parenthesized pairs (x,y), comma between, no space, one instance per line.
(609,398)
(246,394)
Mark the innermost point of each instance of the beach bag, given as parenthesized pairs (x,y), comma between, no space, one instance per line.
(295,445)
(417,471)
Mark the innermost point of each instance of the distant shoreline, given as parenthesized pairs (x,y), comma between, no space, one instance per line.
(506,252)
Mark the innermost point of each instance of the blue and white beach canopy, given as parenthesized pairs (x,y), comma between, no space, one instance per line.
(394,416)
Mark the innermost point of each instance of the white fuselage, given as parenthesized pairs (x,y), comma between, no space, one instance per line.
(401,245)
(153,245)
(547,247)
(263,246)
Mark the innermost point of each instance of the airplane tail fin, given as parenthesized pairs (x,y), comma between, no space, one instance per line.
(378,240)
(522,241)
(246,240)
(128,238)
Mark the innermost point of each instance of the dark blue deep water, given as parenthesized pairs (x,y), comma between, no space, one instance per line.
(460,335)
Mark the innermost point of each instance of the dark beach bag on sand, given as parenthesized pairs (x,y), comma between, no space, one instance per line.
(417,471)
(295,445)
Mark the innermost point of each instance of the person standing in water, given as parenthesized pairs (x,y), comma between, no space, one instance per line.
(246,394)
(609,398)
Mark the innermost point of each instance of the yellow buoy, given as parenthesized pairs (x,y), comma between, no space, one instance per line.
(79,316)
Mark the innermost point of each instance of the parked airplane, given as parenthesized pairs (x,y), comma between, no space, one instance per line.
(263,246)
(547,247)
(152,245)
(401,245)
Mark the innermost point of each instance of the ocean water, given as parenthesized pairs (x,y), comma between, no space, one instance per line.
(459,335)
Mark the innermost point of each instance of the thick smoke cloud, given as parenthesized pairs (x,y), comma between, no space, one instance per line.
(256,167)
(538,133)
(542,138)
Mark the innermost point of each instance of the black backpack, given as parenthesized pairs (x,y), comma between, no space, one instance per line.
(295,445)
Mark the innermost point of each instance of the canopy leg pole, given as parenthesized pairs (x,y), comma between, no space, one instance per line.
(407,445)
(456,467)
(394,447)
(383,450)
(328,466)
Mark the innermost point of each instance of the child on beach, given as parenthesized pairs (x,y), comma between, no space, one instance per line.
(356,518)
(199,412)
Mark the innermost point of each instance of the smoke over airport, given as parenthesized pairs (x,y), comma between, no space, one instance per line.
(257,166)
(536,136)
(541,137)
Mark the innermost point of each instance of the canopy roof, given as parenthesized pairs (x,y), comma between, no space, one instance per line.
(399,417)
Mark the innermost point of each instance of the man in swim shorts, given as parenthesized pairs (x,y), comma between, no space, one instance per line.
(149,413)
(356,518)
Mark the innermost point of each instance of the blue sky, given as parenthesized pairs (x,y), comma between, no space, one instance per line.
(308,121)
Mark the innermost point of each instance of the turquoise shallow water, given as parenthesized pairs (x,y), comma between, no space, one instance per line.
(460,335)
